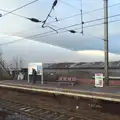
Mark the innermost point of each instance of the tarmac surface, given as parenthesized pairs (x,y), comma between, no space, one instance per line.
(106,93)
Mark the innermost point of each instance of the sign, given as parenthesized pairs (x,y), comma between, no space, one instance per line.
(39,69)
(98,80)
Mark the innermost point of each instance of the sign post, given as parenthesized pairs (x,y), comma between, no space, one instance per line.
(39,69)
(98,80)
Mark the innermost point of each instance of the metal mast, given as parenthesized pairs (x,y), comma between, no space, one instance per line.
(106,51)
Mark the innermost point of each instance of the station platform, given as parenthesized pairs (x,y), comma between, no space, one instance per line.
(86,91)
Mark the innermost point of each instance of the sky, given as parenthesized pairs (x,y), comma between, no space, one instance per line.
(64,45)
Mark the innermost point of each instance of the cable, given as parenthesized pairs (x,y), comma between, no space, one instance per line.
(31,19)
(87,12)
(51,28)
(95,20)
(18,40)
(69,5)
(75,29)
(59,19)
(79,9)
(13,13)
(24,31)
(19,8)
(65,17)
(68,27)
(14,41)
(94,36)
(67,31)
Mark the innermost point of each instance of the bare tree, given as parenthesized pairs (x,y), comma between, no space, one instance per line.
(17,64)
(0,63)
(1,53)
(21,63)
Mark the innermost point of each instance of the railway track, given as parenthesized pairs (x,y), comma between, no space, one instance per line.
(45,112)
(39,113)
(45,107)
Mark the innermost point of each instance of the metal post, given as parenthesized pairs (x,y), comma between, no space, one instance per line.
(28,73)
(0,73)
(42,82)
(106,41)
(82,23)
(28,77)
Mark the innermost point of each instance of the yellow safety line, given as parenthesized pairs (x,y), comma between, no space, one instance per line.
(66,90)
(63,93)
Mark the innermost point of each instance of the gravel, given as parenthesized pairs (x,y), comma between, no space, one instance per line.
(6,115)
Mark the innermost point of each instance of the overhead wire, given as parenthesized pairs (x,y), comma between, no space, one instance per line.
(79,24)
(13,13)
(73,25)
(89,26)
(94,36)
(14,41)
(69,5)
(65,31)
(84,12)
(19,8)
(87,12)
(34,37)
(18,40)
(30,37)
(91,10)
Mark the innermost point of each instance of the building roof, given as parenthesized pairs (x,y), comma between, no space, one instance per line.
(115,64)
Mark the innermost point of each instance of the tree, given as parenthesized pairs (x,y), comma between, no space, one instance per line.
(1,53)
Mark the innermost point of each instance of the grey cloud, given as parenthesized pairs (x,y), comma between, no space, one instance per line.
(74,43)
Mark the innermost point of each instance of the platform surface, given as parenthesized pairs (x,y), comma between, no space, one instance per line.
(105,93)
